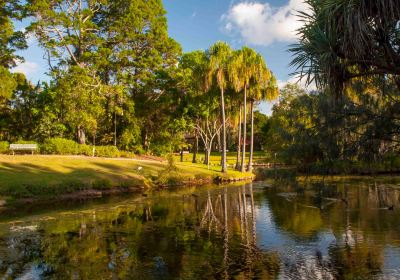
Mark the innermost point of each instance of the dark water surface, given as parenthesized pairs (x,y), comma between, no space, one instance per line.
(264,230)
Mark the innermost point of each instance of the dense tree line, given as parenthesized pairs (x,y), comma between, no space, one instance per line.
(117,78)
(351,50)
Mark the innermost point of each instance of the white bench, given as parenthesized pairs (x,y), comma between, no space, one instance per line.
(23,147)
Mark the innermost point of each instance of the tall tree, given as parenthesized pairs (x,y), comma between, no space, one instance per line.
(243,69)
(10,42)
(264,88)
(68,32)
(219,57)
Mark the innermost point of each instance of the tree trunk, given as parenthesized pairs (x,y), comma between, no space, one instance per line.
(115,127)
(196,147)
(181,154)
(243,166)
(205,156)
(223,155)
(250,167)
(239,139)
(218,144)
(81,135)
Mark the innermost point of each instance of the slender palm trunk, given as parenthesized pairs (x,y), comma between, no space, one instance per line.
(239,138)
(250,167)
(243,166)
(115,127)
(223,155)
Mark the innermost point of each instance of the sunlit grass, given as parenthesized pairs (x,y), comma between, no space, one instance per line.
(215,159)
(44,172)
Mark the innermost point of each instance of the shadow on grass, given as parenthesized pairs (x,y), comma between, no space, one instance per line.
(25,180)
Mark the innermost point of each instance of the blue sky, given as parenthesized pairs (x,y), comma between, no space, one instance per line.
(266,25)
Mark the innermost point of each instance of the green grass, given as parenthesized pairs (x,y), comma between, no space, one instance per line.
(34,176)
(215,159)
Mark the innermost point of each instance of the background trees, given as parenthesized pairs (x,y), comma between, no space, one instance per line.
(117,78)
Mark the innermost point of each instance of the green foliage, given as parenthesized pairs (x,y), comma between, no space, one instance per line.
(171,165)
(107,151)
(10,40)
(4,147)
(7,83)
(339,43)
(25,142)
(61,146)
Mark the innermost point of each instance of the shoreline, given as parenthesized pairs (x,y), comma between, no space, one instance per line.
(115,191)
(32,179)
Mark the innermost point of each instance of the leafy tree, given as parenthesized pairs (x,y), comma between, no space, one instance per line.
(77,89)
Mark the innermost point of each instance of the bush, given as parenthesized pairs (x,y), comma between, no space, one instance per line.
(107,151)
(85,150)
(61,146)
(25,142)
(126,154)
(4,147)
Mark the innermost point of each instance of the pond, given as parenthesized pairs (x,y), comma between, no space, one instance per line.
(263,230)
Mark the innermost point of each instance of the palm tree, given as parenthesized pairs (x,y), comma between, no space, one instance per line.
(219,57)
(236,82)
(264,88)
(242,71)
(345,40)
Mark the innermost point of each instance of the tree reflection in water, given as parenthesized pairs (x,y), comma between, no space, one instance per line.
(291,230)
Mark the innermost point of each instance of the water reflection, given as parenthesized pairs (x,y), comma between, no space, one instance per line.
(342,230)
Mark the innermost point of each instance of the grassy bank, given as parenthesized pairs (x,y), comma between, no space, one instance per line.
(48,176)
(259,157)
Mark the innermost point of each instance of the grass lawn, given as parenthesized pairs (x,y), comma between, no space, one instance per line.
(215,159)
(38,175)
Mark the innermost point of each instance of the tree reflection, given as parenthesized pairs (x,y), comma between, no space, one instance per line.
(211,236)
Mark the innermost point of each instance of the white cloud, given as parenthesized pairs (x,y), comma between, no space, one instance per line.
(295,80)
(261,24)
(194,14)
(27,68)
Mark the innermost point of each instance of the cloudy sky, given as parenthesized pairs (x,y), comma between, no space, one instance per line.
(266,25)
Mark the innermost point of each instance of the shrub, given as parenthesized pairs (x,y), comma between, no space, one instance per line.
(4,147)
(85,150)
(59,146)
(25,142)
(107,151)
(126,154)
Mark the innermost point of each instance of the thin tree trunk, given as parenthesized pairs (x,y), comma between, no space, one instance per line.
(115,127)
(206,156)
(223,155)
(196,147)
(243,166)
(239,138)
(250,167)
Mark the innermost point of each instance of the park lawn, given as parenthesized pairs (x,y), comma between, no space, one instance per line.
(215,159)
(30,176)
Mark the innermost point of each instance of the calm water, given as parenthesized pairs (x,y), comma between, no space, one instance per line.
(264,230)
